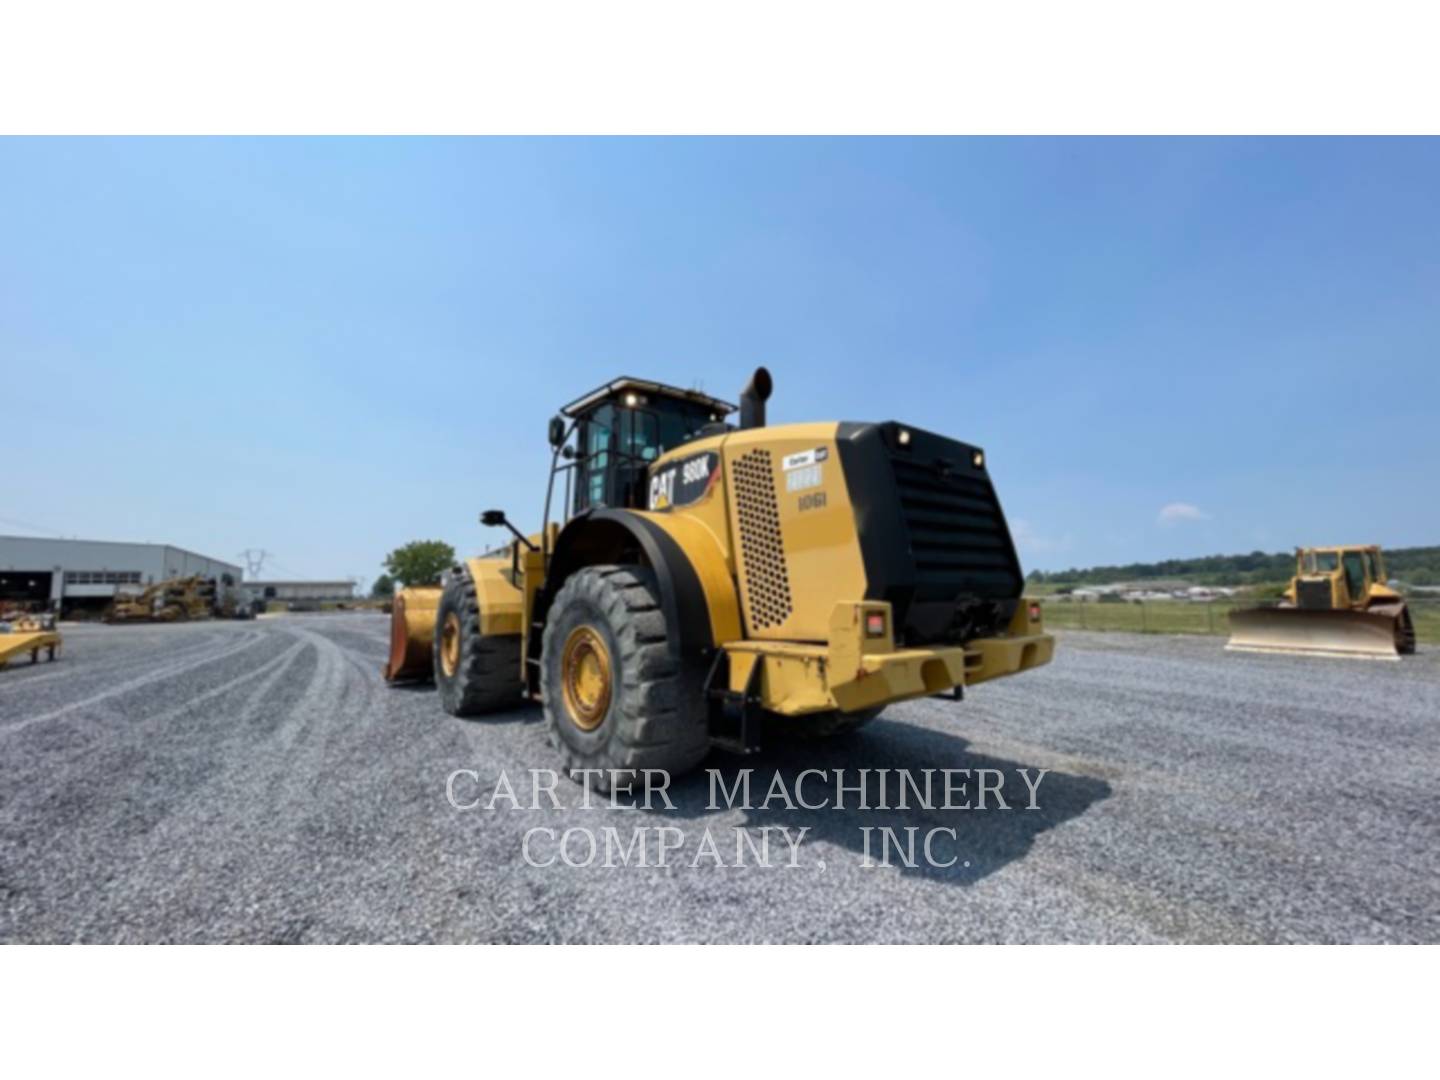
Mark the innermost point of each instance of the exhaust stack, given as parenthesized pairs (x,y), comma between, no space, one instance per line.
(753,398)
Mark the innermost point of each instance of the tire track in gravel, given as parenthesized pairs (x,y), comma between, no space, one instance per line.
(161,674)
(100,793)
(267,835)
(203,857)
(284,793)
(118,655)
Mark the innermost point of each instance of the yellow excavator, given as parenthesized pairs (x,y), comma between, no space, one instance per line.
(1337,604)
(712,578)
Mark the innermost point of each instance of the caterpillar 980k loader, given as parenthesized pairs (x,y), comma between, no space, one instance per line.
(1337,604)
(709,576)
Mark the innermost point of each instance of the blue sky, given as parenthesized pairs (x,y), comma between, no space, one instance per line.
(328,347)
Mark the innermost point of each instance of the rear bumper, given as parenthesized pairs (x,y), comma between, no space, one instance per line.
(911,673)
(852,673)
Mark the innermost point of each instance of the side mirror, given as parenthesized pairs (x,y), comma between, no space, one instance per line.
(497,517)
(557,431)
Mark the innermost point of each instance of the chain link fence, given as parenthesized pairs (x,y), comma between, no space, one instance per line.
(1191,616)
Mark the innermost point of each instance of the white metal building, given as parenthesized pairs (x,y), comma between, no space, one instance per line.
(67,574)
(300,590)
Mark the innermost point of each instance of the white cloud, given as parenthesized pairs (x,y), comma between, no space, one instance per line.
(1176,512)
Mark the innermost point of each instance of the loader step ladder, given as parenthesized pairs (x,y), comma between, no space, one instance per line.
(733,715)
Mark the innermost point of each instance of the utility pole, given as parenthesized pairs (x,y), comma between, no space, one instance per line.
(255,561)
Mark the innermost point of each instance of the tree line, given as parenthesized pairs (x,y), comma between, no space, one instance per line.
(1413,566)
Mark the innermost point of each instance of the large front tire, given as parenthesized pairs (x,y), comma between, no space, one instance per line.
(475,673)
(616,699)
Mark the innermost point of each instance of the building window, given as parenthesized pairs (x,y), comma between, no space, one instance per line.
(102,577)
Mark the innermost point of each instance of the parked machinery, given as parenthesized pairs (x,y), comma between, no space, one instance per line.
(1337,604)
(711,576)
(173,600)
(22,632)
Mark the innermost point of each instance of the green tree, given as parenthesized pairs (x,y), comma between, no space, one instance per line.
(420,562)
(384,587)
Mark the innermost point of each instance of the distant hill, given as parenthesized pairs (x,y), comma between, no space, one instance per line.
(1414,566)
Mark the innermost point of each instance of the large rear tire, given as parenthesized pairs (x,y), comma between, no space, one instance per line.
(475,673)
(616,700)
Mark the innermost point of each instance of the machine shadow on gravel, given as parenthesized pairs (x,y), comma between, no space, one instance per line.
(985,839)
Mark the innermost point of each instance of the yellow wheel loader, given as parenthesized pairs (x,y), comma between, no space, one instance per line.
(711,576)
(1337,604)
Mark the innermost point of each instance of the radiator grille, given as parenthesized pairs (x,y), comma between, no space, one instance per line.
(767,581)
(1314,594)
(957,533)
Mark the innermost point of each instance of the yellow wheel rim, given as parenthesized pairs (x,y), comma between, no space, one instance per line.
(586,677)
(450,644)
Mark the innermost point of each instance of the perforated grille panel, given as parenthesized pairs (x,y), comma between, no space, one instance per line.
(767,582)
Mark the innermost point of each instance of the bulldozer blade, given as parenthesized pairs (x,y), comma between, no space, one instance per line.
(1304,632)
(412,634)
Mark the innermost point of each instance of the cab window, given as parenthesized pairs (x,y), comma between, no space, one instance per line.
(597,434)
(1355,573)
(640,439)
(620,442)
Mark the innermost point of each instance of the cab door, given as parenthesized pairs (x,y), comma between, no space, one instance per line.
(1356,575)
(597,432)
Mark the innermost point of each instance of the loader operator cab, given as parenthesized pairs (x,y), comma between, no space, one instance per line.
(619,431)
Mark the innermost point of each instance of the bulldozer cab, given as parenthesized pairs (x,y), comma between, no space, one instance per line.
(620,430)
(1349,574)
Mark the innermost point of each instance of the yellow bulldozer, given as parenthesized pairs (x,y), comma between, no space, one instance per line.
(711,579)
(1337,604)
(173,600)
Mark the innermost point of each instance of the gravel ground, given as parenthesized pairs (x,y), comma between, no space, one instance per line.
(258,782)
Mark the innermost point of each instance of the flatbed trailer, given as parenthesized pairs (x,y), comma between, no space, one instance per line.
(18,642)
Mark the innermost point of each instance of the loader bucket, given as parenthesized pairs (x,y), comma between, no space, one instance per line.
(1306,632)
(412,634)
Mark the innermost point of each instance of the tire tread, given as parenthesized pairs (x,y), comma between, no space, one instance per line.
(658,717)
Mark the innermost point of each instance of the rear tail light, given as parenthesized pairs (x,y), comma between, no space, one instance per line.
(1034,611)
(875,624)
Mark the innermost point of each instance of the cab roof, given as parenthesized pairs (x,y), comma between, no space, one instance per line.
(645,386)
